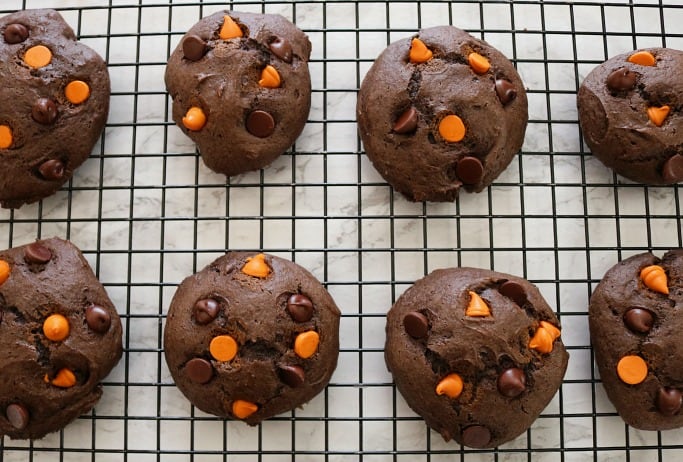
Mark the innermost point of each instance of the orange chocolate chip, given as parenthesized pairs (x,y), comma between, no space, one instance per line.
(77,91)
(194,119)
(477,306)
(306,344)
(229,29)
(452,128)
(56,327)
(243,409)
(223,348)
(5,270)
(257,266)
(644,58)
(478,63)
(64,379)
(270,78)
(552,330)
(419,53)
(451,386)
(654,277)
(543,339)
(658,114)
(632,369)
(6,137)
(38,56)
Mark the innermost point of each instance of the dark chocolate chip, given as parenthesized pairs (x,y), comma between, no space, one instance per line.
(260,124)
(672,172)
(282,49)
(17,414)
(639,320)
(15,33)
(669,401)
(621,80)
(205,310)
(52,170)
(476,436)
(514,291)
(511,382)
(199,370)
(506,91)
(37,253)
(407,122)
(98,319)
(293,376)
(44,111)
(469,170)
(194,47)
(300,307)
(416,324)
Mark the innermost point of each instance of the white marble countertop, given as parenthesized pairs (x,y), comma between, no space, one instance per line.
(146,212)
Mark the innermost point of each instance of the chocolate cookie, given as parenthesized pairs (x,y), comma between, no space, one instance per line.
(476,353)
(630,114)
(55,101)
(441,111)
(635,325)
(60,336)
(241,88)
(251,336)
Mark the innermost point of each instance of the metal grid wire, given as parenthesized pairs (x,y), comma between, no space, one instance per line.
(146,212)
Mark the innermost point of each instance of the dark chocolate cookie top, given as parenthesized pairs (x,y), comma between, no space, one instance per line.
(251,336)
(630,114)
(241,88)
(55,101)
(635,324)
(441,111)
(476,353)
(60,336)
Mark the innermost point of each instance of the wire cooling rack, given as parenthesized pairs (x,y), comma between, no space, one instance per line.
(146,212)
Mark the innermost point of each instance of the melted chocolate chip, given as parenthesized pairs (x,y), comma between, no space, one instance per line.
(639,320)
(416,324)
(621,80)
(37,253)
(205,310)
(282,49)
(300,308)
(98,319)
(514,291)
(506,91)
(669,401)
(476,436)
(17,414)
(407,122)
(469,170)
(44,111)
(260,124)
(194,47)
(672,172)
(293,376)
(15,33)
(52,170)
(199,370)
(512,382)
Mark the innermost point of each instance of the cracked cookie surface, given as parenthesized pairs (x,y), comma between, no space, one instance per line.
(241,88)
(55,97)
(476,353)
(441,111)
(251,336)
(635,332)
(60,336)
(630,114)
